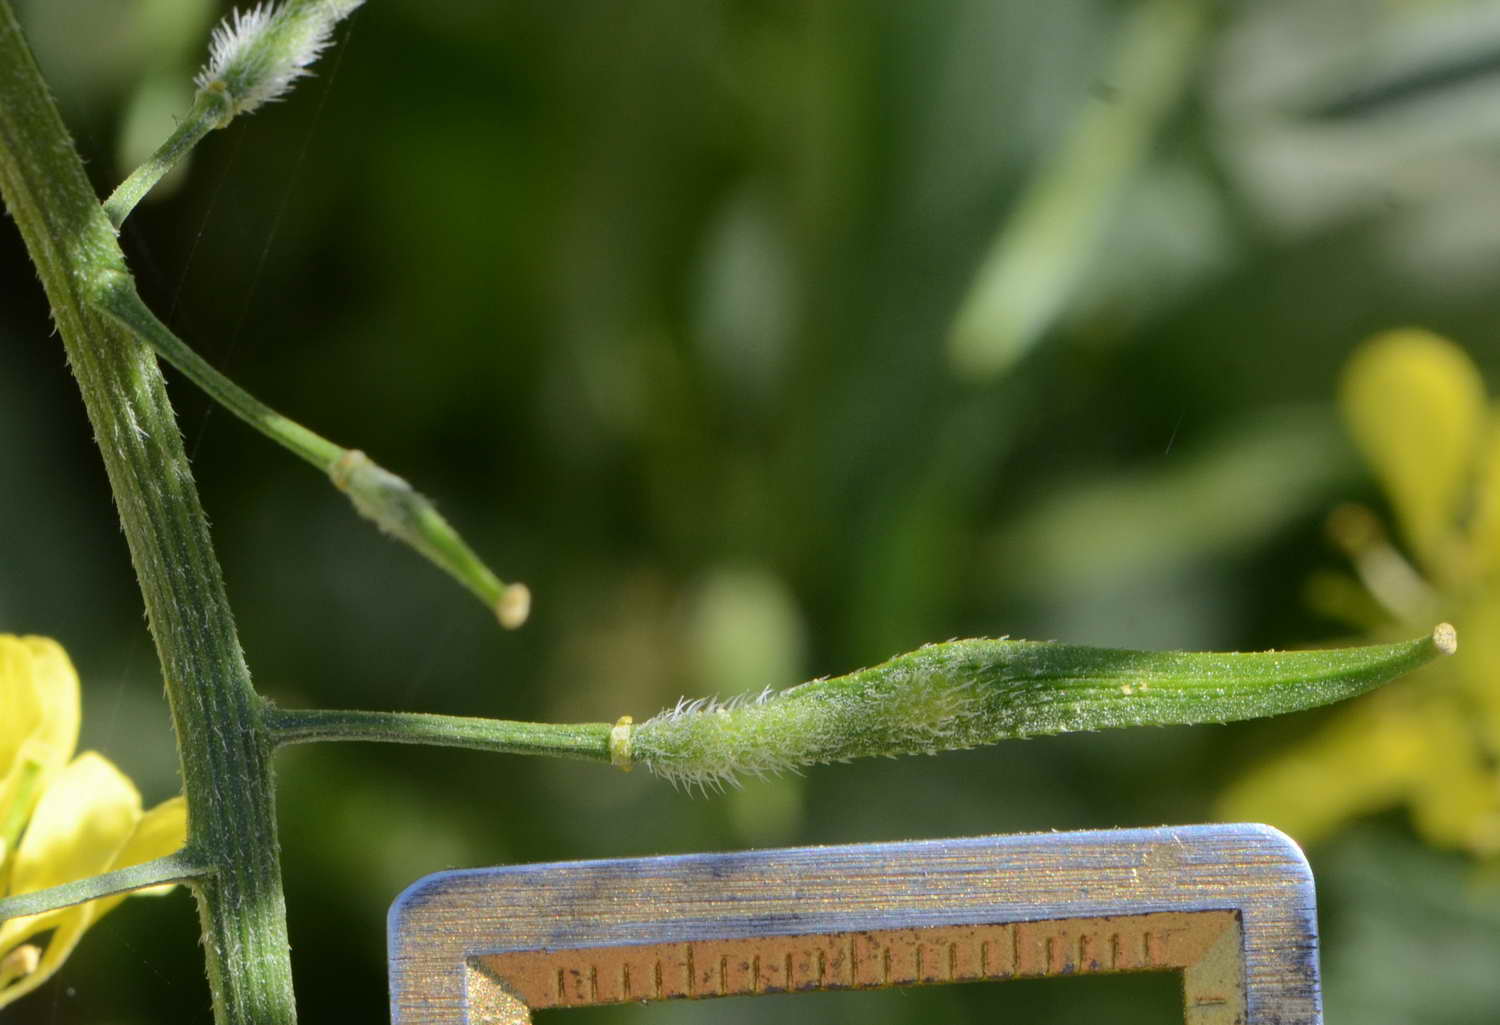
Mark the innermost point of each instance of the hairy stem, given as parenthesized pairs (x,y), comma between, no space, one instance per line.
(121,302)
(208,110)
(377,494)
(181,867)
(588,741)
(224,756)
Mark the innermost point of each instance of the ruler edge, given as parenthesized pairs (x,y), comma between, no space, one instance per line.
(1282,981)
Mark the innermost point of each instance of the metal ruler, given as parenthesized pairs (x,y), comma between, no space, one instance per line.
(1229,907)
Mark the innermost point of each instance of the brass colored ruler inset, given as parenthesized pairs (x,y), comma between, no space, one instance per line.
(504,988)
(1229,907)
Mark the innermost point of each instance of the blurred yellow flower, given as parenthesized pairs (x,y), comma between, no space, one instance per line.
(1416,408)
(61,818)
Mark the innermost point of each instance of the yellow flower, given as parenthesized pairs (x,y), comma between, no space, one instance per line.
(1416,407)
(61,818)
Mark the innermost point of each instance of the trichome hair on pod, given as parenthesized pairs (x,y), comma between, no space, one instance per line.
(968,693)
(256,55)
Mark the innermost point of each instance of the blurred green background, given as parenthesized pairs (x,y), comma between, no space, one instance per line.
(655,298)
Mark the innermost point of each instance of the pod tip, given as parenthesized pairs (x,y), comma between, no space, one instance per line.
(514,606)
(1445,638)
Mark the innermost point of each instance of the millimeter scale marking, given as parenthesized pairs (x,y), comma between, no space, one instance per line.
(870,959)
(1230,907)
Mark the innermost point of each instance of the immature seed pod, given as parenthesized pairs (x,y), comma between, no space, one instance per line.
(406,514)
(962,694)
(256,55)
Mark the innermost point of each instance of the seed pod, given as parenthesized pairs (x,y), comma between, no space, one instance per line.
(256,55)
(962,694)
(409,516)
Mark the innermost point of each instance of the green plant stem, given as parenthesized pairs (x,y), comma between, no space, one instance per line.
(588,741)
(121,301)
(209,111)
(224,757)
(377,494)
(181,867)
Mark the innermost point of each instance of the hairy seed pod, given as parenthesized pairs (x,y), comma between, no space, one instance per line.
(256,55)
(962,694)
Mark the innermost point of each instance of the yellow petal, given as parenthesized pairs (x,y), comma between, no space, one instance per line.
(1456,801)
(18,700)
(1478,672)
(1486,529)
(39,711)
(161,831)
(1416,407)
(80,825)
(39,693)
(71,926)
(1365,759)
(56,683)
